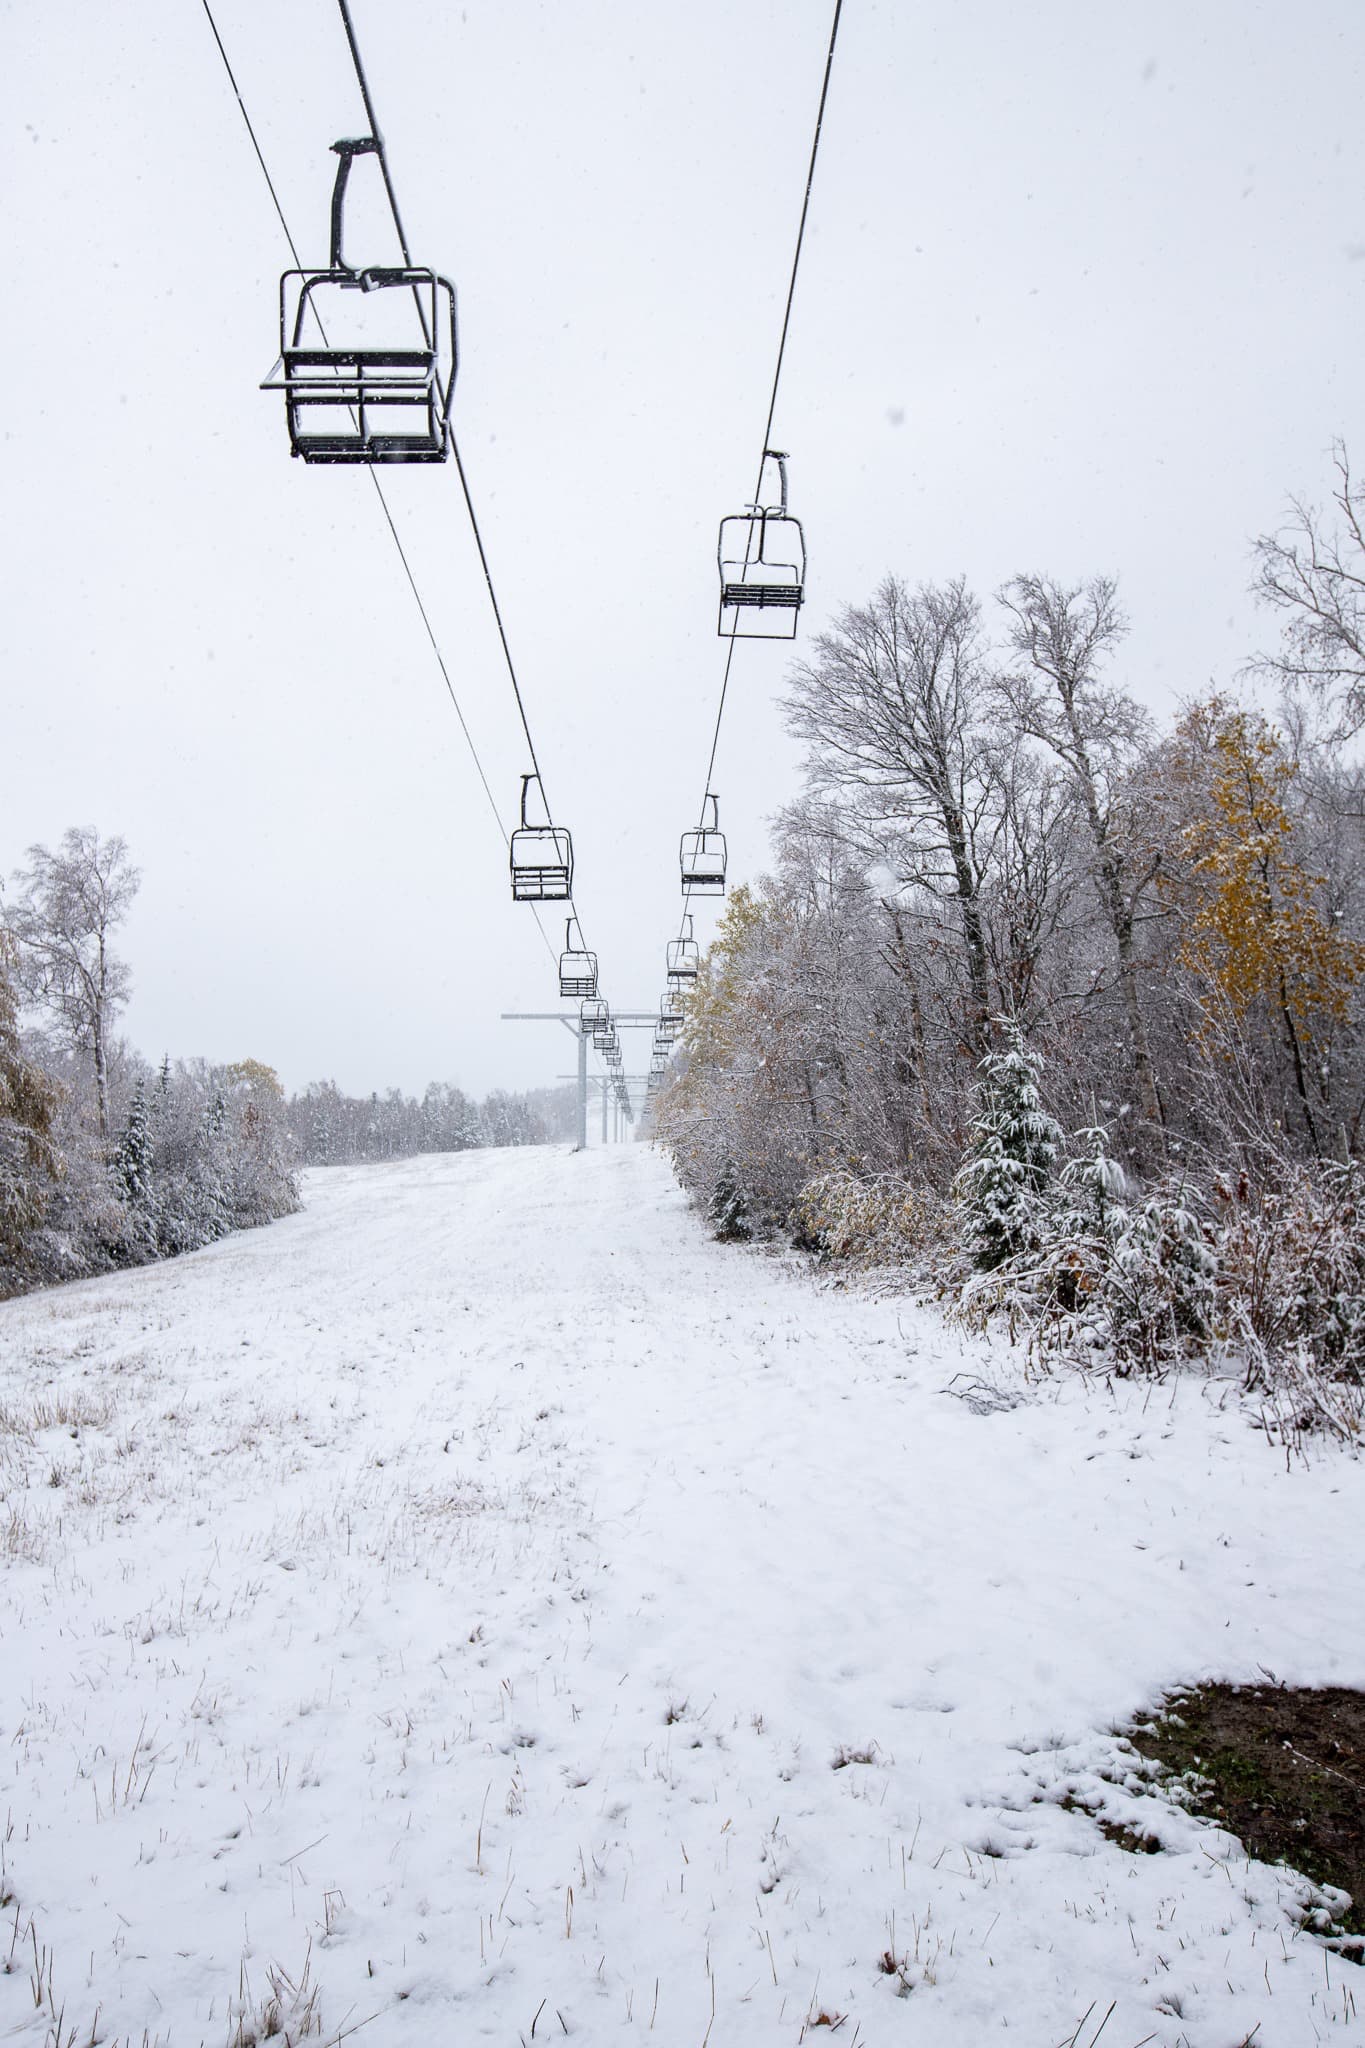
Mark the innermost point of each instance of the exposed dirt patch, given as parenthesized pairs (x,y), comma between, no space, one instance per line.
(1281,1768)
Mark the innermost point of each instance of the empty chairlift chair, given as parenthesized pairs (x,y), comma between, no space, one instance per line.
(593,1017)
(702,853)
(604,1032)
(541,858)
(762,556)
(367,356)
(577,967)
(671,1012)
(683,958)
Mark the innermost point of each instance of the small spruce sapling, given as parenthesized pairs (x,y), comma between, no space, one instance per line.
(134,1171)
(728,1209)
(1015,1143)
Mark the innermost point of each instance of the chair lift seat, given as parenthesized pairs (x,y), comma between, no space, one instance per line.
(382,403)
(703,867)
(542,872)
(761,555)
(762,594)
(577,966)
(540,858)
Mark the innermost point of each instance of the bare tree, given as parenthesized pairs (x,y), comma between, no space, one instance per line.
(1032,879)
(1315,576)
(68,905)
(892,711)
(1095,731)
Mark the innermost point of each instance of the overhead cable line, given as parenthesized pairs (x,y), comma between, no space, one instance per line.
(408,571)
(362,81)
(367,97)
(777,373)
(379,488)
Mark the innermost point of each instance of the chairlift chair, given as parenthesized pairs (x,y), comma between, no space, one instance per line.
(762,556)
(671,1014)
(378,385)
(577,967)
(541,858)
(683,957)
(604,1031)
(702,853)
(592,1017)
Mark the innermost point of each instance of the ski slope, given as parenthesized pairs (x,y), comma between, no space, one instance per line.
(483,1608)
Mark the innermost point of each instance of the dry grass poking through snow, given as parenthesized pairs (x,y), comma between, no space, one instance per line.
(483,1609)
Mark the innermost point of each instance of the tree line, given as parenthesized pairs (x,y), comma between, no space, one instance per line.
(107,1161)
(1003,862)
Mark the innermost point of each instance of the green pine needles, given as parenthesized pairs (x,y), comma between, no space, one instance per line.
(1014,1148)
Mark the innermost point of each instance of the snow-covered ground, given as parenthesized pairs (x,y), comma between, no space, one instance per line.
(510,1615)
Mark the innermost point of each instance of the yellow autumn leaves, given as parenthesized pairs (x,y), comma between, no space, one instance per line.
(1256,927)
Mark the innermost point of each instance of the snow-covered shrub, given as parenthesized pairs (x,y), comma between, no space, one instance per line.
(1108,1277)
(870,1220)
(1014,1145)
(1292,1270)
(1301,1399)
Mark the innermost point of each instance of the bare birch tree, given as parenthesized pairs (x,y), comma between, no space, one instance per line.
(69,904)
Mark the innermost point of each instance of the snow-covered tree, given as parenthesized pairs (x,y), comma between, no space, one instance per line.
(30,1162)
(135,1167)
(1014,1147)
(1313,573)
(893,709)
(1095,731)
(728,1209)
(69,904)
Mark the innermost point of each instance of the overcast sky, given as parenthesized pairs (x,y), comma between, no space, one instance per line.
(1082,293)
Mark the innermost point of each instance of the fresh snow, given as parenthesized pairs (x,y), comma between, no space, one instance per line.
(512,1615)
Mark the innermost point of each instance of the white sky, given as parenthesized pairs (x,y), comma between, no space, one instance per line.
(1082,293)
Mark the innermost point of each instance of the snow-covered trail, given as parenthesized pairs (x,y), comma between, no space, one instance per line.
(538,1620)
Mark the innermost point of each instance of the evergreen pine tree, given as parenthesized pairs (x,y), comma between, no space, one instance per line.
(134,1172)
(1015,1143)
(728,1209)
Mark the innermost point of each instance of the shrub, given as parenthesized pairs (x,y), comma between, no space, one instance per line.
(876,1220)
(1106,1279)
(1292,1269)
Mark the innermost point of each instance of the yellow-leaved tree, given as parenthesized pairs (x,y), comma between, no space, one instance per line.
(1259,935)
(29,1160)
